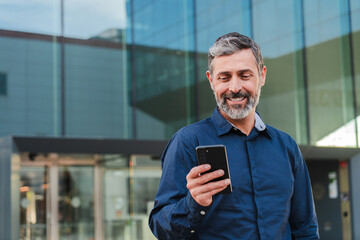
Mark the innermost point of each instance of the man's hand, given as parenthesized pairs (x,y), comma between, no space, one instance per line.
(199,186)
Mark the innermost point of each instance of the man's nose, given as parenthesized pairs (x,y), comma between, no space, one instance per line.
(235,85)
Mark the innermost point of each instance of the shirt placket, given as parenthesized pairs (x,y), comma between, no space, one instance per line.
(256,181)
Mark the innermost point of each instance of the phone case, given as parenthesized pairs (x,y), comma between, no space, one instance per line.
(215,155)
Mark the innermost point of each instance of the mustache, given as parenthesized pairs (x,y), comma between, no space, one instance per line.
(240,94)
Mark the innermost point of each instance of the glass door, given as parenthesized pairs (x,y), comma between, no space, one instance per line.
(129,187)
(87,197)
(57,197)
(34,182)
(76,202)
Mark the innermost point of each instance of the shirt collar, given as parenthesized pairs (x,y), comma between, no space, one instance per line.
(223,126)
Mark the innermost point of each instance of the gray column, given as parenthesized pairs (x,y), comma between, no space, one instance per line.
(9,190)
(5,188)
(355,194)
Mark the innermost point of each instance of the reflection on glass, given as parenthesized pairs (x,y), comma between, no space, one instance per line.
(281,44)
(97,98)
(29,58)
(164,67)
(329,73)
(97,101)
(32,103)
(99,19)
(76,203)
(213,19)
(355,24)
(34,184)
(40,16)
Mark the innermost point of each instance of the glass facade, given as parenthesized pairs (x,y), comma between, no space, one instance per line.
(134,69)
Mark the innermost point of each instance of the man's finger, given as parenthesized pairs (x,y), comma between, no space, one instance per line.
(208,188)
(205,178)
(210,176)
(195,171)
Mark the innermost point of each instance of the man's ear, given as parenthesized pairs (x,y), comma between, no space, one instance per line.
(263,76)
(208,74)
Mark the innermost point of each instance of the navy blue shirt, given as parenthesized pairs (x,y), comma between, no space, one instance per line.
(271,198)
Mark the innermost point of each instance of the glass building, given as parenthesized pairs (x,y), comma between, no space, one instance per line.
(91,91)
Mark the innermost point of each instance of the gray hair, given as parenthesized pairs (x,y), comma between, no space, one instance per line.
(231,43)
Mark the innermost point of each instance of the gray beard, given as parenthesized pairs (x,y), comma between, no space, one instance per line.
(238,112)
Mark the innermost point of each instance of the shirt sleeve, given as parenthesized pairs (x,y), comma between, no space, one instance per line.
(176,215)
(303,220)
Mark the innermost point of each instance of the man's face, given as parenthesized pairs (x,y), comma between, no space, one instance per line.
(236,83)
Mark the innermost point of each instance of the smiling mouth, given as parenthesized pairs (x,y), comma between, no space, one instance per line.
(237,99)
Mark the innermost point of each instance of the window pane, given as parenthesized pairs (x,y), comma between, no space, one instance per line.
(76,202)
(3,84)
(280,39)
(96,89)
(116,216)
(329,73)
(164,67)
(29,60)
(355,23)
(213,19)
(129,190)
(31,65)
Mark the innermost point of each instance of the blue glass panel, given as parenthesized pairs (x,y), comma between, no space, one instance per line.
(97,101)
(97,97)
(31,106)
(355,25)
(29,58)
(328,60)
(282,102)
(164,67)
(213,19)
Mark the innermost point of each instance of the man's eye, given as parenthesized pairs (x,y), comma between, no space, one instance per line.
(246,76)
(223,78)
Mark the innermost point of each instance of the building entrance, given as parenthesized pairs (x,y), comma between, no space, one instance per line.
(57,197)
(86,197)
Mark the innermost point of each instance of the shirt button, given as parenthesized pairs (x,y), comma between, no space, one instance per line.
(202,212)
(192,231)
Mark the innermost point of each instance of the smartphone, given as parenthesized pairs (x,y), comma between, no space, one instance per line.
(215,155)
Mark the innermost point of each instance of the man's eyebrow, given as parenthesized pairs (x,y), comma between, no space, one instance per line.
(245,70)
(223,73)
(238,72)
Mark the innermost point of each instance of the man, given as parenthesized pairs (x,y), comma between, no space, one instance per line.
(271,196)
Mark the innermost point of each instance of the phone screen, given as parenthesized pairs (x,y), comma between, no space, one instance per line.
(215,155)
